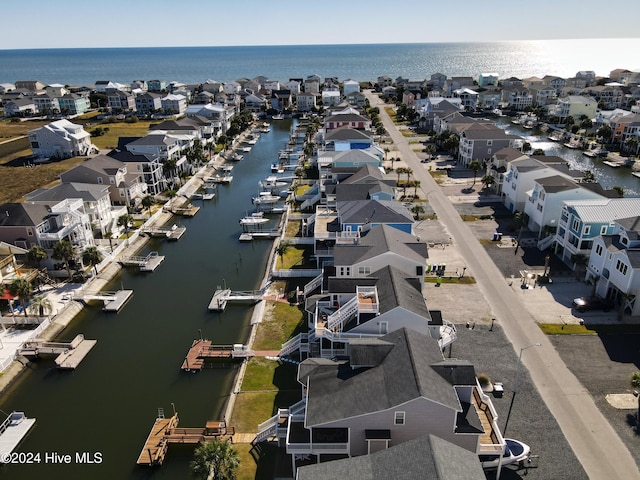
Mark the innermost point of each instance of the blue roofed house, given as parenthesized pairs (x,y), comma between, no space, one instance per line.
(614,265)
(391,390)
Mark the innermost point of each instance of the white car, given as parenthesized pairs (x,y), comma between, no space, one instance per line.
(514,452)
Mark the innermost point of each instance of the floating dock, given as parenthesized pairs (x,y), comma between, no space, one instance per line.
(146,264)
(266,234)
(222,297)
(202,349)
(113,301)
(189,211)
(165,432)
(170,233)
(69,354)
(12,431)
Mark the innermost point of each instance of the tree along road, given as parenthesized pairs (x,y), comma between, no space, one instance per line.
(594,442)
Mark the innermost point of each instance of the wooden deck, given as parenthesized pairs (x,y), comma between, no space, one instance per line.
(165,432)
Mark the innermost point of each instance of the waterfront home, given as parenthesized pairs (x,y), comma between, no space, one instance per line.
(543,95)
(575,106)
(144,160)
(425,457)
(95,200)
(125,187)
(174,103)
(157,85)
(456,83)
(6,88)
(30,85)
(486,79)
(61,139)
(347,119)
(521,175)
(614,264)
(435,109)
(255,102)
(346,138)
(357,99)
(12,261)
(391,390)
(294,86)
(384,81)
(27,224)
(306,102)
(468,98)
(618,122)
(436,80)
(281,99)
(46,103)
(557,83)
(581,221)
(517,97)
(219,115)
(350,86)
(607,96)
(358,215)
(211,86)
(349,159)
(490,98)
(589,76)
(544,202)
(478,141)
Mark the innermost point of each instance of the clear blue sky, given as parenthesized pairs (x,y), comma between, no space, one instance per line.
(143,23)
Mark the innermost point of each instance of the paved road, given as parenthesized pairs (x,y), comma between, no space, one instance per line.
(595,443)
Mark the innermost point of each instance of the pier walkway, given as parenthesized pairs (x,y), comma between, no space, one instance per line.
(146,264)
(170,233)
(69,354)
(113,301)
(202,349)
(222,297)
(12,431)
(165,432)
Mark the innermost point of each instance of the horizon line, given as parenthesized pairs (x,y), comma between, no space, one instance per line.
(320,44)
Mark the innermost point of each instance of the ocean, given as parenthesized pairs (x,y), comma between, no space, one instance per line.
(85,66)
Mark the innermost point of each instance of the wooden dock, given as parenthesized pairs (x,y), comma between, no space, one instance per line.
(12,431)
(202,349)
(145,264)
(69,354)
(165,432)
(188,211)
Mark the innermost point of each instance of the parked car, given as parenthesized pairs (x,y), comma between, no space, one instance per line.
(582,304)
(514,452)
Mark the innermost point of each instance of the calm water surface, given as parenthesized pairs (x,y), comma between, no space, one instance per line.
(110,402)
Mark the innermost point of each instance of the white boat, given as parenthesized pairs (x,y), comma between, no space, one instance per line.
(246,149)
(276,168)
(227,168)
(271,182)
(208,196)
(250,141)
(279,116)
(236,157)
(223,178)
(514,452)
(265,198)
(256,218)
(555,136)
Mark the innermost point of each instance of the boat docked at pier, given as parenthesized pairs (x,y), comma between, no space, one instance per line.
(265,198)
(256,218)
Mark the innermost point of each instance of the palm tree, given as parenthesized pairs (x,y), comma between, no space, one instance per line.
(215,460)
(416,185)
(36,255)
(22,289)
(588,176)
(125,221)
(400,171)
(475,166)
(488,181)
(281,250)
(409,172)
(40,305)
(526,147)
(147,202)
(417,210)
(430,149)
(92,256)
(63,250)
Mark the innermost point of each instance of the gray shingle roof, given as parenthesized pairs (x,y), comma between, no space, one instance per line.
(406,373)
(22,214)
(557,183)
(428,457)
(346,133)
(88,192)
(373,211)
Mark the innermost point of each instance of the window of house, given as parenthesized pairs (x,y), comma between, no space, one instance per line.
(100,180)
(364,270)
(621,267)
(398,418)
(599,250)
(624,241)
(575,225)
(542,195)
(603,230)
(539,207)
(383,328)
(587,229)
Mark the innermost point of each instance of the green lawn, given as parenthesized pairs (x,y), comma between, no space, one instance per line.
(285,321)
(568,329)
(466,280)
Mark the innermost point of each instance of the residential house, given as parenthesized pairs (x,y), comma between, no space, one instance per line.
(546,199)
(281,99)
(293,86)
(306,102)
(490,98)
(435,109)
(157,85)
(517,97)
(312,84)
(391,390)
(119,101)
(144,162)
(211,86)
(74,104)
(456,83)
(543,95)
(607,97)
(148,103)
(614,265)
(330,98)
(346,138)
(468,97)
(140,85)
(46,104)
(358,215)
(231,88)
(498,164)
(95,199)
(575,106)
(6,88)
(481,141)
(486,79)
(19,107)
(350,120)
(575,83)
(589,76)
(437,80)
(557,83)
(125,188)
(12,260)
(351,159)
(581,221)
(350,86)
(384,81)
(60,139)
(174,104)
(21,222)
(31,85)
(357,99)
(219,115)
(425,457)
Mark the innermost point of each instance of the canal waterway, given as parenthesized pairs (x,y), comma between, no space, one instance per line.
(607,176)
(108,405)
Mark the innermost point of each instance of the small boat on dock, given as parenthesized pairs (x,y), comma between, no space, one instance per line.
(277,168)
(222,178)
(636,174)
(256,218)
(271,183)
(555,136)
(236,157)
(227,168)
(279,116)
(265,198)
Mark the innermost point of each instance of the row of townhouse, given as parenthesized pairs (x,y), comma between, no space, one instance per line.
(575,219)
(373,377)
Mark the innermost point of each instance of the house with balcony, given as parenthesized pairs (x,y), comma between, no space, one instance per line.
(498,164)
(581,221)
(61,139)
(521,175)
(544,202)
(19,107)
(468,97)
(390,390)
(486,79)
(557,83)
(436,108)
(21,222)
(46,104)
(156,85)
(148,103)
(125,188)
(490,98)
(174,104)
(517,97)
(614,265)
(119,101)
(575,106)
(74,103)
(357,99)
(479,141)
(143,160)
(219,115)
(12,267)
(346,138)
(306,102)
(543,95)
(95,199)
(348,120)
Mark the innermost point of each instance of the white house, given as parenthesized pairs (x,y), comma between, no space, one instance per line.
(350,86)
(61,139)
(174,104)
(330,98)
